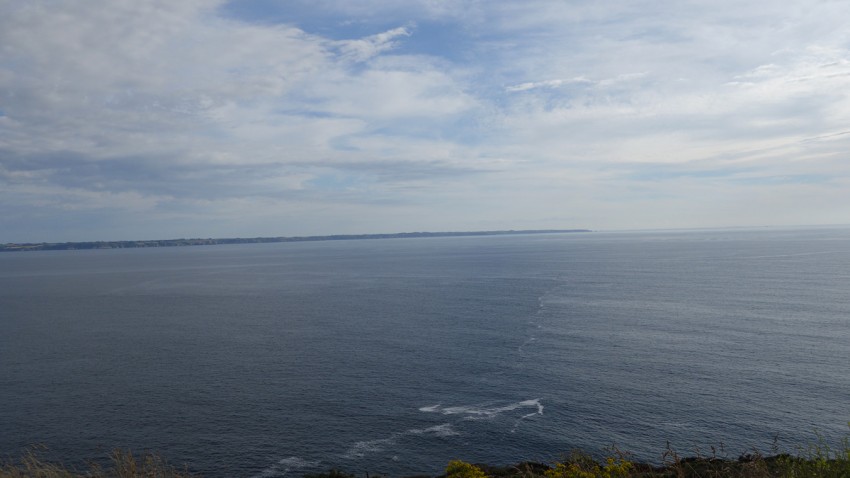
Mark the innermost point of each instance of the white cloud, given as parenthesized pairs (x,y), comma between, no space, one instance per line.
(547,84)
(435,106)
(363,49)
(579,80)
(133,77)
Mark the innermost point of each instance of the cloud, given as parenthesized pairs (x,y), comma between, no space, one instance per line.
(430,112)
(547,84)
(579,80)
(147,78)
(363,49)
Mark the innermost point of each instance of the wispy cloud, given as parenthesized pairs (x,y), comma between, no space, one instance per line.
(579,80)
(363,49)
(547,84)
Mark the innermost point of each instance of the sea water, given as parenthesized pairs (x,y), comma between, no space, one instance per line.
(398,355)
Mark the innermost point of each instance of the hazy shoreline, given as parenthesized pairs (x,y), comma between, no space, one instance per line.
(63,246)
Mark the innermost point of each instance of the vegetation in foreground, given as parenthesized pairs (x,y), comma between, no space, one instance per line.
(815,461)
(124,465)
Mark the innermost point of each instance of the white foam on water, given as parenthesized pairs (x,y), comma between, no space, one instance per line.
(296,462)
(478,413)
(444,430)
(537,403)
(528,415)
(362,448)
(268,472)
(285,465)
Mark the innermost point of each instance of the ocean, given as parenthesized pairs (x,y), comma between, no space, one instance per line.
(395,356)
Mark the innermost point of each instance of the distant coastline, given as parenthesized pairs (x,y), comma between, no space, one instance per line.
(64,246)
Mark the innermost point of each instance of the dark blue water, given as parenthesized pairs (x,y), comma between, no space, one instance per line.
(395,356)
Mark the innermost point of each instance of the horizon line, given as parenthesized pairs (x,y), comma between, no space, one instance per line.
(198,241)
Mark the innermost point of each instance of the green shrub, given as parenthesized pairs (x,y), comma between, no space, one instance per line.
(581,465)
(461,469)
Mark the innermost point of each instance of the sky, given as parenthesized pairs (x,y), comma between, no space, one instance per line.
(153,119)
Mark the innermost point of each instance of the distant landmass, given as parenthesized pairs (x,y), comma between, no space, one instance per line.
(63,246)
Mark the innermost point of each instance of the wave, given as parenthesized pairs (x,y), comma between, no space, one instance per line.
(361,448)
(477,412)
(285,465)
(444,430)
(528,415)
(296,462)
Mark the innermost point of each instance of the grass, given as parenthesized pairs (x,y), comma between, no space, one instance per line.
(124,464)
(818,460)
